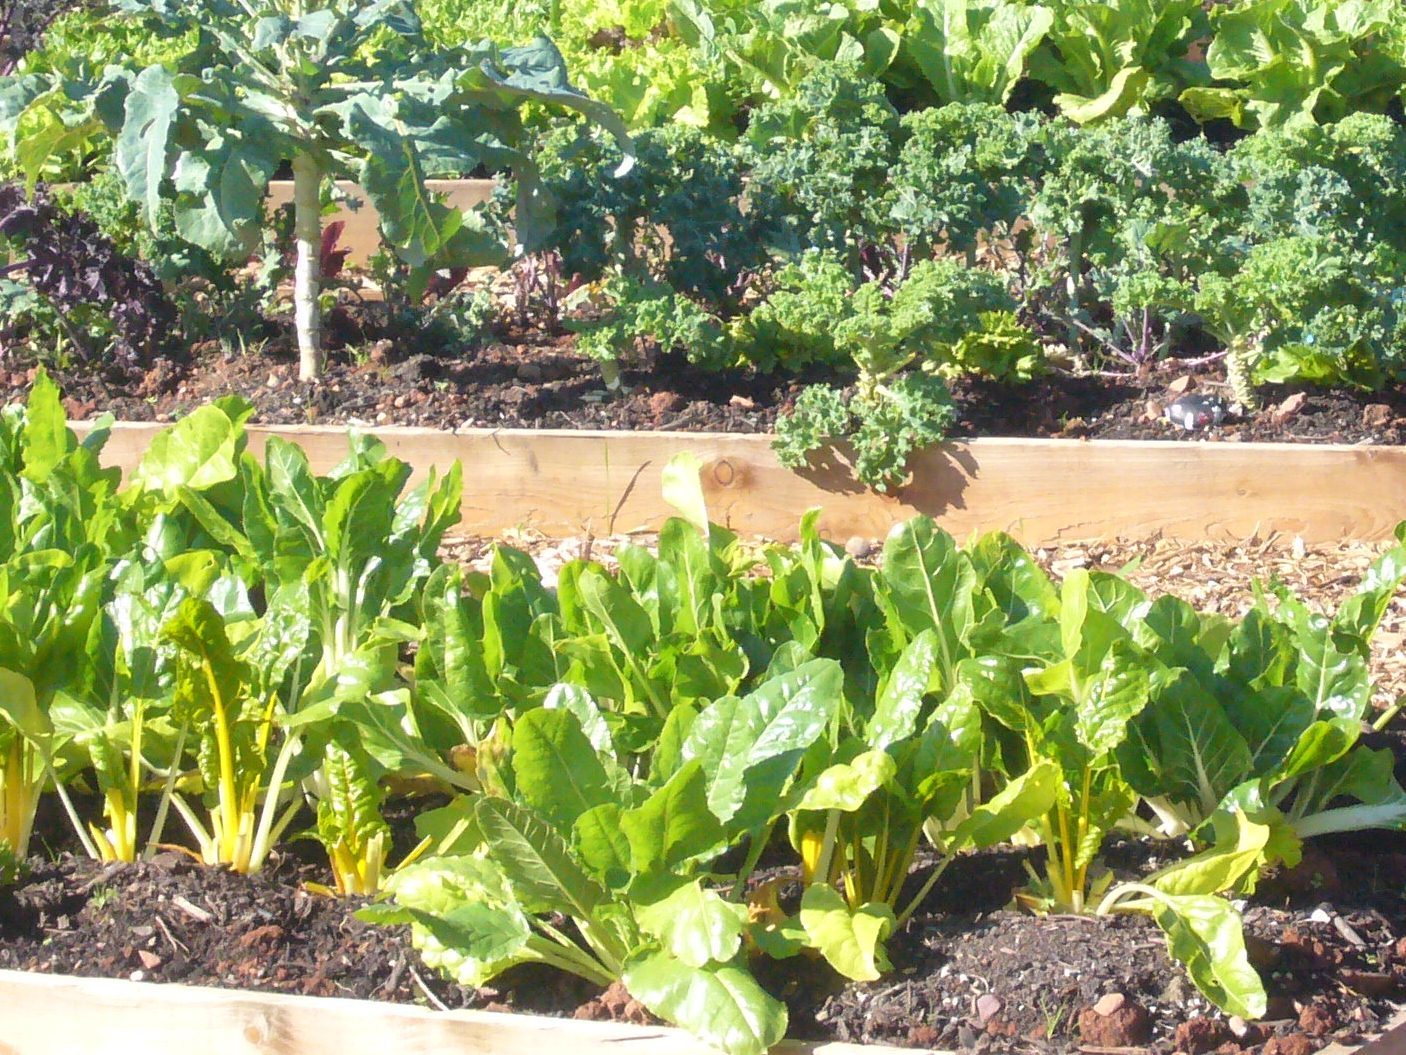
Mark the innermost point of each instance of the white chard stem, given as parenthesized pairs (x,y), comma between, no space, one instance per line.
(307,274)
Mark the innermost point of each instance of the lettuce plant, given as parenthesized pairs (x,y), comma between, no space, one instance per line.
(1110,60)
(1294,62)
(973,52)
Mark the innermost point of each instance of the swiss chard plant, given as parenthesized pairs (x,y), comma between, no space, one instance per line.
(625,858)
(344,89)
(60,532)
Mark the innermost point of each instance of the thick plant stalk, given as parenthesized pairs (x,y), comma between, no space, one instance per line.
(307,274)
(1237,373)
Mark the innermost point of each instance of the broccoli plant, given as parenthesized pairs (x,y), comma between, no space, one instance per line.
(338,89)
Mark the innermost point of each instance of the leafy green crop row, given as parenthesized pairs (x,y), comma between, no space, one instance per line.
(702,63)
(969,240)
(257,647)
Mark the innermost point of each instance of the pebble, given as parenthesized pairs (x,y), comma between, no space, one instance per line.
(1109,1003)
(1289,409)
(859,547)
(988,1006)
(149,959)
(1376,416)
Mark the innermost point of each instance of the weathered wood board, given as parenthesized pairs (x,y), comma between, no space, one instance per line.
(360,235)
(1041,491)
(62,1015)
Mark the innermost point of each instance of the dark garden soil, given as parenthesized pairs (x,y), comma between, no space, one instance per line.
(969,973)
(530,379)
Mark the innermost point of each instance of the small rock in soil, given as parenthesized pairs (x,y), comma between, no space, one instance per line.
(1124,1025)
(1181,385)
(1289,409)
(417,368)
(662,403)
(1316,1020)
(859,548)
(1109,1003)
(531,372)
(1376,416)
(924,1037)
(988,1006)
(1292,1044)
(1261,953)
(1196,1036)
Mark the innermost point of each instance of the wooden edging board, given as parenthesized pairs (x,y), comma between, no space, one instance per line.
(1041,491)
(361,236)
(44,1014)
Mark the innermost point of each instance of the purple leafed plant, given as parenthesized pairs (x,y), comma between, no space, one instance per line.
(68,261)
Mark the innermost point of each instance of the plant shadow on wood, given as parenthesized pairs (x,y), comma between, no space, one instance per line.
(937,479)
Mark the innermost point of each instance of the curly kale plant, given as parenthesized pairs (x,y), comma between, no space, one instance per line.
(96,293)
(964,174)
(656,316)
(944,319)
(1137,217)
(1297,309)
(820,162)
(676,217)
(1344,182)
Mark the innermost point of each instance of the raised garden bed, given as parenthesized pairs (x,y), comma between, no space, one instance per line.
(567,482)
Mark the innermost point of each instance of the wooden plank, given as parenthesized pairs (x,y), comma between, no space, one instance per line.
(64,1015)
(1041,491)
(360,235)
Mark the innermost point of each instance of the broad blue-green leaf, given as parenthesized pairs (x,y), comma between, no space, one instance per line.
(143,144)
